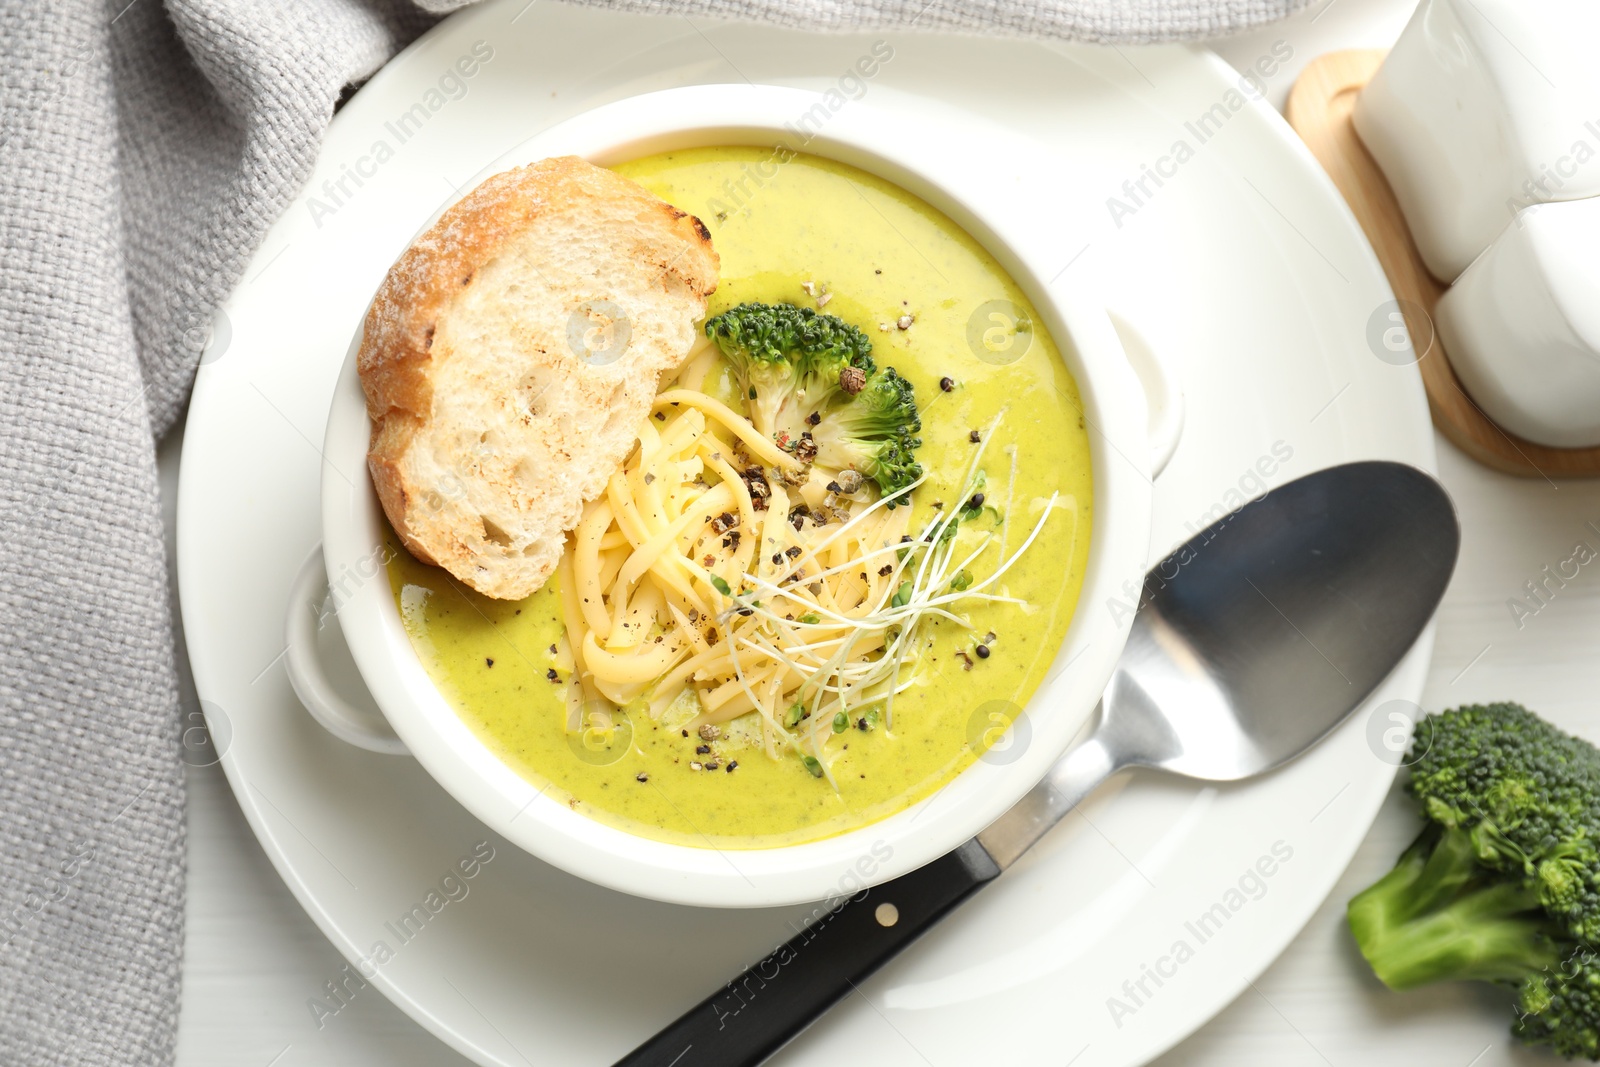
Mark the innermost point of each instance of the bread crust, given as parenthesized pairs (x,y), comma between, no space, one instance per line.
(553,240)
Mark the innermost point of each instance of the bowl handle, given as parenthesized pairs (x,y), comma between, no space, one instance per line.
(321,670)
(1163,392)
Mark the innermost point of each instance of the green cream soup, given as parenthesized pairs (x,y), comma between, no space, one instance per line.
(882,255)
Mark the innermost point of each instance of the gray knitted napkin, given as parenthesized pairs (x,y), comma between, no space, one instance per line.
(145,147)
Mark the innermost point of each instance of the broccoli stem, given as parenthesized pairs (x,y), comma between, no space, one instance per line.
(1435,918)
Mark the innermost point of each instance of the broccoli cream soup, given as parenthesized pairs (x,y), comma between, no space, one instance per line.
(801,658)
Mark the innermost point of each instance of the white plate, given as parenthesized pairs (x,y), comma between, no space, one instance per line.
(1243,265)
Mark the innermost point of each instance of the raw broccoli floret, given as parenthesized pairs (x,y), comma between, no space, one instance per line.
(833,348)
(875,433)
(788,360)
(810,382)
(761,341)
(1504,884)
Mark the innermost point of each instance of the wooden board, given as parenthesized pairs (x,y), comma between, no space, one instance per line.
(1319,109)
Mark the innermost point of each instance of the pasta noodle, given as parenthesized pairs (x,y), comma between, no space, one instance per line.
(690,574)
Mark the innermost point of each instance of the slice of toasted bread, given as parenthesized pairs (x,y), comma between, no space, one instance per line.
(510,355)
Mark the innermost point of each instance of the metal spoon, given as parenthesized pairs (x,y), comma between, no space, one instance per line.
(1251,643)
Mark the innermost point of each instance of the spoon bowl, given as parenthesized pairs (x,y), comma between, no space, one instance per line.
(1259,635)
(1262,634)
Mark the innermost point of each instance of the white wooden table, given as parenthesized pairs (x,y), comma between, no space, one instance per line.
(253,958)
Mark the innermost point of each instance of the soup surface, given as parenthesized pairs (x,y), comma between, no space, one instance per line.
(804,230)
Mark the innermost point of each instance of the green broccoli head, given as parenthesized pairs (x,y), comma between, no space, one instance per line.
(891,462)
(1560,1009)
(1527,795)
(788,359)
(1504,884)
(804,374)
(833,347)
(885,405)
(761,342)
(875,433)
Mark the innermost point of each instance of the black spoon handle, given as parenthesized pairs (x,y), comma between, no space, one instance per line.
(764,1008)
